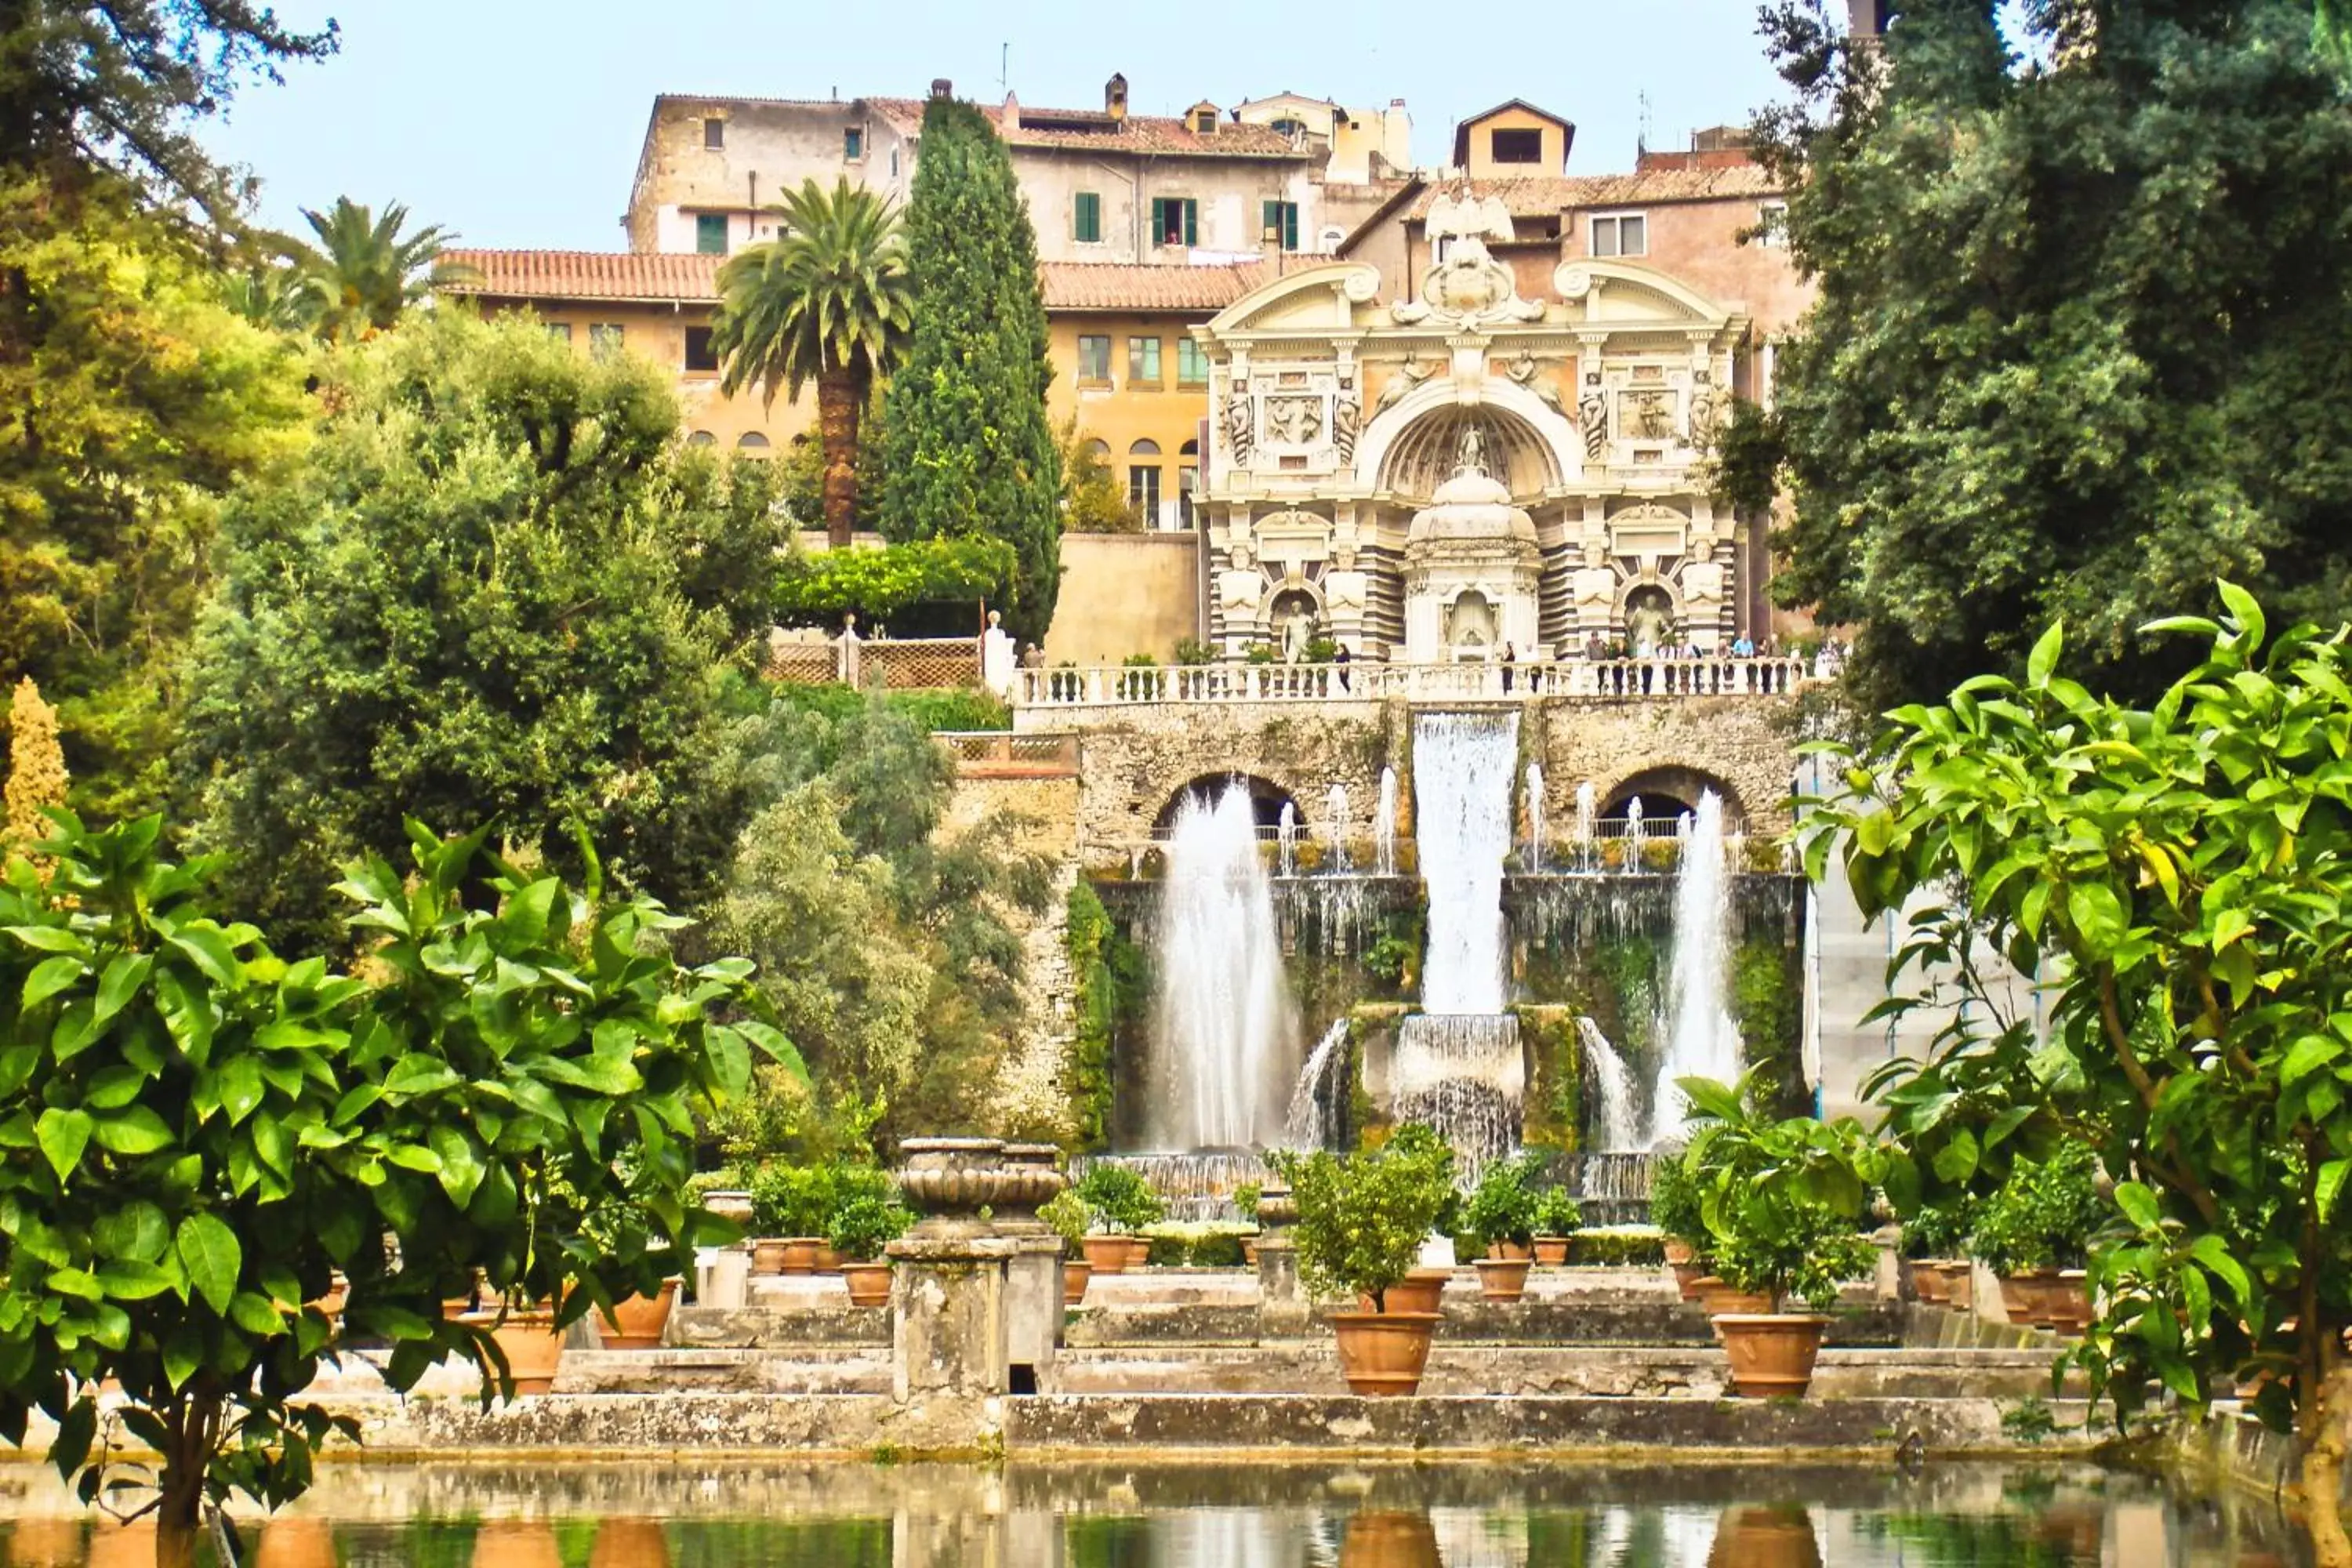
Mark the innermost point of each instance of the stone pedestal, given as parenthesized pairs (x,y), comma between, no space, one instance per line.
(1281,1298)
(1032,1307)
(949,1322)
(722,1276)
(1888,1281)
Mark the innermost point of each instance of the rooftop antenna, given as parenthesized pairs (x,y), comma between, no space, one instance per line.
(1003,68)
(1643,145)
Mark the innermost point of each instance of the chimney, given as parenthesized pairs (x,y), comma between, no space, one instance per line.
(1868,18)
(1115,97)
(942,87)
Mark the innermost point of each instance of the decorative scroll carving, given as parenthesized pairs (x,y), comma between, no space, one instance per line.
(1241,427)
(1469,287)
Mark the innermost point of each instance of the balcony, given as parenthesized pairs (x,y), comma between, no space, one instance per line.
(1608,681)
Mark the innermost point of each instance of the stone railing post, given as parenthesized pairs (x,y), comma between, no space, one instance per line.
(1032,1281)
(1281,1298)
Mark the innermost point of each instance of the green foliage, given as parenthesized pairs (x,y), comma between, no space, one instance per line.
(1245,1199)
(1210,1244)
(1066,1215)
(1118,1200)
(1678,1206)
(201,1130)
(1362,1218)
(1092,502)
(967,447)
(1616,1250)
(466,603)
(862,1225)
(1939,1229)
(1557,1213)
(138,401)
(874,585)
(2028,1421)
(804,1200)
(1191,652)
(363,274)
(1783,1199)
(2179,876)
(2065,359)
(1505,1204)
(2042,1217)
(1094,950)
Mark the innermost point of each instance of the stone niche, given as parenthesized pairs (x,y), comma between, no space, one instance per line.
(1473,570)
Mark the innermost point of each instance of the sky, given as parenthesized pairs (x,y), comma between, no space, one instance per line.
(516,122)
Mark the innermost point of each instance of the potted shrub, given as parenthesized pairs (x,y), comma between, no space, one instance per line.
(2031,1233)
(787,1208)
(1675,1210)
(1934,1239)
(861,1228)
(1501,1220)
(1119,1203)
(1245,1198)
(1559,1217)
(1066,1215)
(1361,1221)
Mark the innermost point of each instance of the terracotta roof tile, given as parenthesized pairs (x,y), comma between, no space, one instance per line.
(586,275)
(1536,196)
(1127,286)
(1159,135)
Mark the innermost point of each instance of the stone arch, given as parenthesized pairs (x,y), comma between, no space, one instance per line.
(1540,446)
(1267,799)
(1680,783)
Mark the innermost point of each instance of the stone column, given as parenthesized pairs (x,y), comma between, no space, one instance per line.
(948,1322)
(1282,1301)
(1032,1288)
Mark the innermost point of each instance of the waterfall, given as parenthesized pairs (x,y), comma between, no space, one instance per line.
(1535,816)
(1466,1078)
(1633,827)
(1193,1188)
(1318,1104)
(1384,828)
(1226,1035)
(1618,1127)
(1587,824)
(1335,803)
(1286,839)
(1462,782)
(1702,1040)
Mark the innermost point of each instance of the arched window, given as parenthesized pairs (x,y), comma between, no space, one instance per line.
(1143,482)
(1188,449)
(1147,448)
(702,438)
(751,441)
(1098,450)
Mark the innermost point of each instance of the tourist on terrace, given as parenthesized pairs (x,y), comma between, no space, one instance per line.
(1342,657)
(1596,648)
(1742,647)
(1510,657)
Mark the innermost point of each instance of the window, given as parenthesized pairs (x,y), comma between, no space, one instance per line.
(1175,220)
(1204,121)
(1093,358)
(714,134)
(852,142)
(1192,363)
(1085,218)
(560,330)
(1772,223)
(751,441)
(1143,361)
(1621,234)
(1294,129)
(711,234)
(1143,482)
(1515,146)
(894,163)
(702,438)
(604,337)
(699,354)
(1188,479)
(1279,220)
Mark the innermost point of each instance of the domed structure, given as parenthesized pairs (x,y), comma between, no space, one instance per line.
(1473,568)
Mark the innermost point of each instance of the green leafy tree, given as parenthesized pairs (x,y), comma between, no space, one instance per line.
(2085,272)
(2178,875)
(135,402)
(469,601)
(202,1133)
(1363,1216)
(827,303)
(967,445)
(362,273)
(1092,502)
(1782,1198)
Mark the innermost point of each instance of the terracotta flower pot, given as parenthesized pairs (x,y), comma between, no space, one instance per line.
(799,1253)
(1389,1541)
(1076,1272)
(1959,1284)
(1678,1252)
(1551,1251)
(1687,1276)
(1107,1254)
(339,1290)
(635,1323)
(1139,1253)
(1928,1283)
(2027,1296)
(1504,1279)
(1719,1297)
(768,1255)
(869,1283)
(1249,1252)
(828,1258)
(1510,1251)
(1383,1353)
(532,1346)
(1771,1353)
(1422,1291)
(2069,1301)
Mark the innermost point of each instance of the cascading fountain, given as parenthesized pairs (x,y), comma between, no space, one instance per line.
(1534,797)
(1226,1034)
(1702,1038)
(1458,1065)
(1337,805)
(1384,826)
(1588,824)
(1286,839)
(1316,1121)
(1618,1127)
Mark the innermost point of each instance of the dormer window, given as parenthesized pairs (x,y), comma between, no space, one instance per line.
(1204,121)
(1294,129)
(1517,146)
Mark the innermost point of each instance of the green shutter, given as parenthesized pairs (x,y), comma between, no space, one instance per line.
(1089,217)
(1270,217)
(1191,221)
(1290,225)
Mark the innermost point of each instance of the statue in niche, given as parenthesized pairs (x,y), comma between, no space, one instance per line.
(1705,408)
(1649,628)
(1470,457)
(1241,427)
(1296,634)
(1592,415)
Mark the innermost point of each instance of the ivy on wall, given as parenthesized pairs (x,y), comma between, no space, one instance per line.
(1106,972)
(1555,1102)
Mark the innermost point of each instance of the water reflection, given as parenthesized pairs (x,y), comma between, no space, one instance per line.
(1200,1516)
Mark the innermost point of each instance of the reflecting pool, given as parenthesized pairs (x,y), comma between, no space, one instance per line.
(721,1514)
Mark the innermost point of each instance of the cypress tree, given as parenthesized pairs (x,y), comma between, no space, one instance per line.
(966,445)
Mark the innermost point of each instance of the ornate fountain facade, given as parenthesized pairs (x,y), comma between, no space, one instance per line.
(1345,407)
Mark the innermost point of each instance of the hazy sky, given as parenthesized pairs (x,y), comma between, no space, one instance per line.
(516,122)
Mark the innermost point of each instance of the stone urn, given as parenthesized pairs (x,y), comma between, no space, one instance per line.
(729,1204)
(1277,1207)
(1036,1177)
(957,1184)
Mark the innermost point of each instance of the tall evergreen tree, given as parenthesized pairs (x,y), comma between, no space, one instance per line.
(967,447)
(2085,277)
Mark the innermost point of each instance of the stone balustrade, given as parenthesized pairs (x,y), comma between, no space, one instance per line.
(1612,680)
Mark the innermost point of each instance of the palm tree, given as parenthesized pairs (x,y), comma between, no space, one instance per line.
(365,273)
(829,301)
(273,296)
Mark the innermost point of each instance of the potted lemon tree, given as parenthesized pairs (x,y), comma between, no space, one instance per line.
(1064,1213)
(859,1230)
(1361,1221)
(1500,1219)
(2033,1234)
(1119,1203)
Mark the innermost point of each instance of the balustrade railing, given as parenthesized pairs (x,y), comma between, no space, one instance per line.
(1623,679)
(1000,753)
